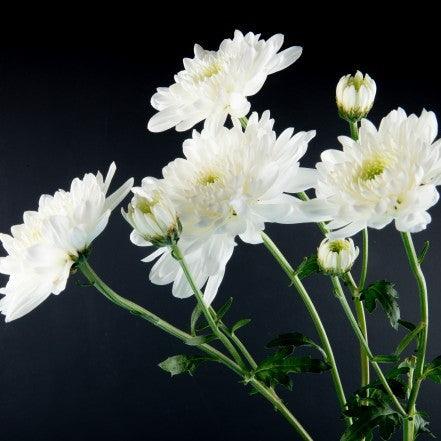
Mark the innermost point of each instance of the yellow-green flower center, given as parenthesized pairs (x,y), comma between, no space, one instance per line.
(208,71)
(145,206)
(208,178)
(338,245)
(372,168)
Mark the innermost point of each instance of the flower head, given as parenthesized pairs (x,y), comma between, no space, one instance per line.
(215,84)
(42,250)
(388,174)
(152,215)
(336,257)
(229,184)
(355,96)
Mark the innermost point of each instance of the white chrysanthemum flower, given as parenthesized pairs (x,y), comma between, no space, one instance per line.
(152,215)
(355,95)
(215,84)
(229,184)
(388,174)
(42,250)
(337,256)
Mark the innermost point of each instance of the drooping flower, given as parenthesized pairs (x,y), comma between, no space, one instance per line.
(42,250)
(355,95)
(215,84)
(336,257)
(229,184)
(389,174)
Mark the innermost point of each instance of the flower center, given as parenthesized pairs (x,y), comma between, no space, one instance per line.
(208,178)
(207,71)
(372,168)
(338,245)
(145,206)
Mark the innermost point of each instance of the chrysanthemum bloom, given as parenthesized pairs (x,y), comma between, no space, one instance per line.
(42,250)
(215,84)
(229,184)
(355,96)
(389,174)
(336,257)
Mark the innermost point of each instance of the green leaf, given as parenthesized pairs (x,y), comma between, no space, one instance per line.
(224,308)
(239,324)
(432,370)
(195,315)
(308,267)
(423,253)
(275,369)
(294,340)
(421,425)
(408,325)
(180,364)
(385,293)
(200,340)
(370,408)
(386,358)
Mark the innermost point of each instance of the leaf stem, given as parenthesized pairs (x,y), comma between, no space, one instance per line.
(424,309)
(289,270)
(143,313)
(347,309)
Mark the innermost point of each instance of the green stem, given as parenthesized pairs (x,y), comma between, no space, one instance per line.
(143,313)
(236,341)
(364,260)
(424,309)
(361,319)
(280,258)
(353,126)
(177,254)
(408,338)
(347,309)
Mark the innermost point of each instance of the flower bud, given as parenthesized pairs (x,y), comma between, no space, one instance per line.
(336,257)
(152,216)
(355,96)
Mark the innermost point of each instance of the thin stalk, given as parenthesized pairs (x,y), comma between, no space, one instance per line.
(280,258)
(424,310)
(347,309)
(361,319)
(205,309)
(364,260)
(143,313)
(237,341)
(353,126)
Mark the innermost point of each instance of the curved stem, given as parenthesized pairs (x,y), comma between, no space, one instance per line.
(424,308)
(143,313)
(347,309)
(204,308)
(277,254)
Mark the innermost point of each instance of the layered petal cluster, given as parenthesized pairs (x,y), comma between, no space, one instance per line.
(215,84)
(336,257)
(42,250)
(229,184)
(389,174)
(355,95)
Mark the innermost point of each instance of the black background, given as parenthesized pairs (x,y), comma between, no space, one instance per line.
(74,95)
